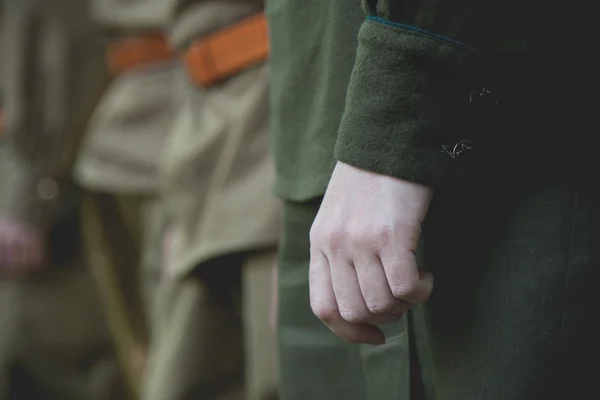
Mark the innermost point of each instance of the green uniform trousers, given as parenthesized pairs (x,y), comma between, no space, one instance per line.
(211,336)
(317,365)
(514,307)
(54,342)
(513,314)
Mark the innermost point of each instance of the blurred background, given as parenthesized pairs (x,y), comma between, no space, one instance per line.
(138,232)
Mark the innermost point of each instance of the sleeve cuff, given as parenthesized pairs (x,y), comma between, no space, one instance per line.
(409,110)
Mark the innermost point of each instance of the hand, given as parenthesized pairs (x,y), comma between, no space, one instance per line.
(21,248)
(363,270)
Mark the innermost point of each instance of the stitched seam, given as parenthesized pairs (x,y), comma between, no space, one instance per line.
(424,32)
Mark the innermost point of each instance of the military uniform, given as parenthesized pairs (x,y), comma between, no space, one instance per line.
(314,363)
(117,168)
(213,339)
(472,99)
(54,342)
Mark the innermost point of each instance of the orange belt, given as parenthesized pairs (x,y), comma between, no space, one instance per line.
(228,51)
(139,51)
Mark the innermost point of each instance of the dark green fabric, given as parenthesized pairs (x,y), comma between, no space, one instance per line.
(513,315)
(314,363)
(407,111)
(408,98)
(435,80)
(313,47)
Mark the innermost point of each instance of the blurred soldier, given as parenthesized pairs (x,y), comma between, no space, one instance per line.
(213,339)
(54,343)
(117,168)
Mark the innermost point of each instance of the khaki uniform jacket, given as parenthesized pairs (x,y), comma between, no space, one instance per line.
(52,68)
(128,129)
(216,167)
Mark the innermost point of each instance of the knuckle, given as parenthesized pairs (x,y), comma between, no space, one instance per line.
(404,289)
(354,317)
(409,233)
(335,237)
(325,314)
(315,233)
(370,235)
(378,307)
(358,236)
(382,236)
(383,232)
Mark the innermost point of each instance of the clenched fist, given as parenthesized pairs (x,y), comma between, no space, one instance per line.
(363,270)
(21,248)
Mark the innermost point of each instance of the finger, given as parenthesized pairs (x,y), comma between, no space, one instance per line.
(349,296)
(406,281)
(376,290)
(347,292)
(325,307)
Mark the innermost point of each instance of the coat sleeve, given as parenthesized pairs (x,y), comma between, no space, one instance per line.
(409,111)
(52,61)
